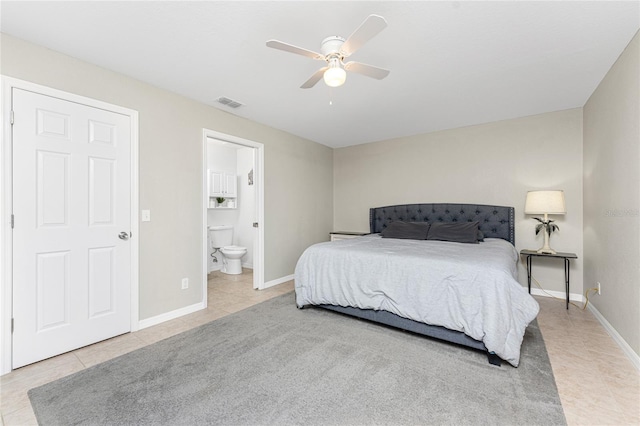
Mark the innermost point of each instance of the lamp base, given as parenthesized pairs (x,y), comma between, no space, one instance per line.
(546,250)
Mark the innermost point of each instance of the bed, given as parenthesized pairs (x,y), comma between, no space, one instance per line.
(466,294)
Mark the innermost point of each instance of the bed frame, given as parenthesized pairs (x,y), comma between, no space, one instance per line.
(494,222)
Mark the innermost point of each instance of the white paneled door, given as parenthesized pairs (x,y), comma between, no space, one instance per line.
(71,204)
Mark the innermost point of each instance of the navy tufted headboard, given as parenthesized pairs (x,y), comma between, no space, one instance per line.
(495,221)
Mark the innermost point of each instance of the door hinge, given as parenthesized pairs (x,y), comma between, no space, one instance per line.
(11,117)
(12,325)
(13,221)
(255,224)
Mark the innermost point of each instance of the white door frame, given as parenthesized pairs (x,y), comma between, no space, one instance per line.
(258,174)
(6,204)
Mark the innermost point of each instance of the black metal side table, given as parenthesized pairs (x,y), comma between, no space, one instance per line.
(566,256)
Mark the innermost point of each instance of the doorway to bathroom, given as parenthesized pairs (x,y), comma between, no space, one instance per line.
(233,209)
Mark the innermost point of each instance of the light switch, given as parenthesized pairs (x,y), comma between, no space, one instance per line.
(146,215)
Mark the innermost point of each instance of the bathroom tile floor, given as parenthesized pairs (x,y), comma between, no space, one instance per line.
(597,383)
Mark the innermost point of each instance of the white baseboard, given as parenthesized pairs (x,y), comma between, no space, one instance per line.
(557,294)
(170,315)
(629,352)
(278,281)
(247,265)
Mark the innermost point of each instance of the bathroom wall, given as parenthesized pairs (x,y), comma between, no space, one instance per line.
(222,158)
(236,160)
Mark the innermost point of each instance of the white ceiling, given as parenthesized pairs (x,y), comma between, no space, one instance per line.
(452,64)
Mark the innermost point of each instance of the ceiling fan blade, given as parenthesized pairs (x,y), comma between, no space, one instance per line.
(316,77)
(294,49)
(365,32)
(368,70)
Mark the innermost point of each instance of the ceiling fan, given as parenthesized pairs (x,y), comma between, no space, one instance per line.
(335,50)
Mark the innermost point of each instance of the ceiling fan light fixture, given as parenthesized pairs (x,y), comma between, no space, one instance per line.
(335,49)
(335,76)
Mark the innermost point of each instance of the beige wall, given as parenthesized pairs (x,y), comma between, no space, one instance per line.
(495,163)
(298,174)
(612,194)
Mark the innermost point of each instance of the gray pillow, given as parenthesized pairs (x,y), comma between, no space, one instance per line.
(406,230)
(457,232)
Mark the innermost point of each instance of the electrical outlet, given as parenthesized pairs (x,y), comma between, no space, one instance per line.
(599,288)
(185,283)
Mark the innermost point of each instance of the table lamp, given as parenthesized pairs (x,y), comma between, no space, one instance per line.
(545,202)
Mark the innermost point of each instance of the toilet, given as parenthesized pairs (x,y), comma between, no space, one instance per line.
(222,239)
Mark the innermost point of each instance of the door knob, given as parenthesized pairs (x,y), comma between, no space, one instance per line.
(123,236)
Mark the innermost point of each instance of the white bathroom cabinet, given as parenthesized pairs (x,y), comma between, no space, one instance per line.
(223,185)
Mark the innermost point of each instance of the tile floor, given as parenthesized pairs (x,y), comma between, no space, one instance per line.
(598,385)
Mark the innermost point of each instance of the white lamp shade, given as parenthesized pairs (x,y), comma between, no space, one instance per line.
(541,202)
(335,76)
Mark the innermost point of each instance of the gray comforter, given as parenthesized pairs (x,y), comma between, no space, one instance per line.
(470,288)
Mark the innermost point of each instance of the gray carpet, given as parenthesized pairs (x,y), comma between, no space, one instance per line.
(275,364)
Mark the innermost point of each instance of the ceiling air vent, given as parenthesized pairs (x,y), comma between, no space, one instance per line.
(229,102)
